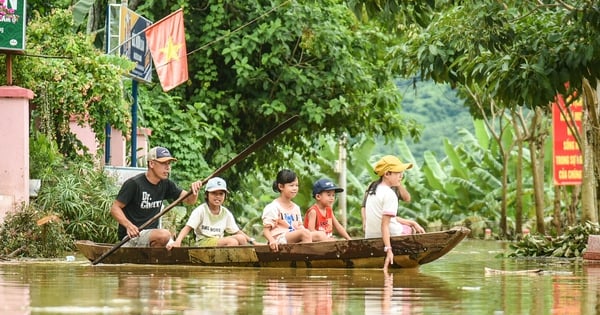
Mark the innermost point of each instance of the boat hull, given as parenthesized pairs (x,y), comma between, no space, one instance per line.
(410,251)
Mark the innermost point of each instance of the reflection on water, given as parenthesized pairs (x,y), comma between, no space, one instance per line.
(455,284)
(14,297)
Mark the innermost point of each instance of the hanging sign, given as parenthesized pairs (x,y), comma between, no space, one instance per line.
(12,25)
(567,161)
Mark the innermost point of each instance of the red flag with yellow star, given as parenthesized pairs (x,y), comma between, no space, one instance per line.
(166,40)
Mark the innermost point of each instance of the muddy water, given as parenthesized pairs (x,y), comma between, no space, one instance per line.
(454,284)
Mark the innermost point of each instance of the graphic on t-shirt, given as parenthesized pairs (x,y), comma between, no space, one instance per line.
(211,229)
(290,218)
(147,202)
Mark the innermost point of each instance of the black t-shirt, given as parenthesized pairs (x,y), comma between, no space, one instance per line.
(143,200)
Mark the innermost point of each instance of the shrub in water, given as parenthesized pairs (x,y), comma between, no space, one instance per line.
(29,232)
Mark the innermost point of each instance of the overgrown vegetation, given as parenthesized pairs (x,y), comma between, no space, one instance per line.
(73,203)
(81,195)
(43,156)
(71,79)
(31,232)
(570,244)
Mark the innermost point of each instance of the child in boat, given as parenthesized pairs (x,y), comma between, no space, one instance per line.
(282,220)
(211,220)
(319,217)
(382,205)
(400,191)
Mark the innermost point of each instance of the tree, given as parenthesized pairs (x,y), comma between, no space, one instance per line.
(520,53)
(253,64)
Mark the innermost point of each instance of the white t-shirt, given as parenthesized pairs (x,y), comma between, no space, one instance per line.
(281,220)
(205,224)
(383,202)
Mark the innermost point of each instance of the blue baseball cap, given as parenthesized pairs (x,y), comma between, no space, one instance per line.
(160,154)
(325,184)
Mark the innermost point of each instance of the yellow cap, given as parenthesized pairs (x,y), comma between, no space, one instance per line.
(390,163)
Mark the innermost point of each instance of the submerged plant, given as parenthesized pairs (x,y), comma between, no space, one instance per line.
(570,244)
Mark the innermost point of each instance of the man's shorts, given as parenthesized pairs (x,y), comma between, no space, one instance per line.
(141,241)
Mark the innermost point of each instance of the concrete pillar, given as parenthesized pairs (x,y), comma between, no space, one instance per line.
(119,155)
(142,144)
(117,148)
(14,145)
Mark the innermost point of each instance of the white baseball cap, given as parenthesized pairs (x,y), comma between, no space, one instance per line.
(216,183)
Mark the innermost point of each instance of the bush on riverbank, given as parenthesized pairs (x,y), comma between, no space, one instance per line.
(73,203)
(81,194)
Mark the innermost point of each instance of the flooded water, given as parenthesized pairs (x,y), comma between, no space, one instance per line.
(455,284)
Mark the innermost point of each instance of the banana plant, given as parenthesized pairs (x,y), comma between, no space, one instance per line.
(465,186)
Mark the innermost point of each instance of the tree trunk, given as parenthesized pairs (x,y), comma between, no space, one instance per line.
(590,126)
(538,133)
(519,175)
(573,204)
(556,218)
(504,203)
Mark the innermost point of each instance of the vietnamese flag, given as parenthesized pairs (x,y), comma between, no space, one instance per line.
(166,40)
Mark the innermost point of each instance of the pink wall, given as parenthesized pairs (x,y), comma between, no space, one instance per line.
(14,141)
(119,155)
(85,134)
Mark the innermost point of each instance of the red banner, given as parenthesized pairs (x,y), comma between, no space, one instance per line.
(166,40)
(567,162)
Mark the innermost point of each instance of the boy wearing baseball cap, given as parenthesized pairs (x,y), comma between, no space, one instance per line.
(320,217)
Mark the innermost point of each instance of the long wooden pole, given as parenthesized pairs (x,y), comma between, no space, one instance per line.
(9,76)
(242,155)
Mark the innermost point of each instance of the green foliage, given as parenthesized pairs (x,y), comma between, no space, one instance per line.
(498,47)
(438,110)
(75,81)
(570,244)
(81,195)
(44,157)
(313,59)
(182,132)
(395,15)
(20,235)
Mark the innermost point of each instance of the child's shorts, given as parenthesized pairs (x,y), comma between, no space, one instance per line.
(281,239)
(207,241)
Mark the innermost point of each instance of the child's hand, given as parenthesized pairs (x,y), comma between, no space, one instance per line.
(172,244)
(297,226)
(273,246)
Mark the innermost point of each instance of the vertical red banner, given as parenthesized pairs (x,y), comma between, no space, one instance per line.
(567,161)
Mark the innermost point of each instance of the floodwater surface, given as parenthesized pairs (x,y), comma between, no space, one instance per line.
(454,284)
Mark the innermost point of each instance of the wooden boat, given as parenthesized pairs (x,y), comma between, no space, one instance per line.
(410,251)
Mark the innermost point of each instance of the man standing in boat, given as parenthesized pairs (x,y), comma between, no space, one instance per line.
(141,197)
(382,205)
